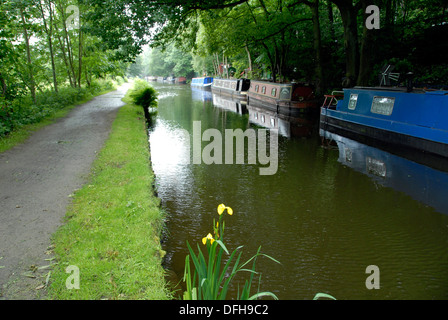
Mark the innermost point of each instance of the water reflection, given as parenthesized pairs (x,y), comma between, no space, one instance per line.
(287,126)
(423,183)
(227,103)
(201,94)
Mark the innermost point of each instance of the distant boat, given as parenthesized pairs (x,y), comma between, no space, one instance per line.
(290,99)
(181,80)
(203,82)
(235,88)
(394,116)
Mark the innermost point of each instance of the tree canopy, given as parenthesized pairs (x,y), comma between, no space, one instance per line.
(326,42)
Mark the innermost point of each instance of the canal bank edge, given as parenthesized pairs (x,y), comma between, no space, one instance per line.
(109,247)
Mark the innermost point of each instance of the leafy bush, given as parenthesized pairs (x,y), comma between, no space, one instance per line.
(21,111)
(142,94)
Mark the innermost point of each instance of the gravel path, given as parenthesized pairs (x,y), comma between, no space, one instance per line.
(36,181)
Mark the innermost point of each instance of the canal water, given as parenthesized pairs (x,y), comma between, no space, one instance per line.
(333,208)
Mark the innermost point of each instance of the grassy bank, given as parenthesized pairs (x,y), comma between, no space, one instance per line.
(20,118)
(112,228)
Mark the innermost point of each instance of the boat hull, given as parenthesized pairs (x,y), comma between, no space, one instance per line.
(410,120)
(234,88)
(203,83)
(285,98)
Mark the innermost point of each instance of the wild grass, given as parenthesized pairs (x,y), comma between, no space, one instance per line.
(112,228)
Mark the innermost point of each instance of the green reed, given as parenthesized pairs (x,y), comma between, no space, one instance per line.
(210,275)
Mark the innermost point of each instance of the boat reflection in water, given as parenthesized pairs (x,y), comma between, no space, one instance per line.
(227,103)
(201,95)
(287,126)
(421,182)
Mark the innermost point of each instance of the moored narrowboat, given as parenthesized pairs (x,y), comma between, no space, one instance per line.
(235,88)
(181,80)
(202,82)
(416,119)
(290,99)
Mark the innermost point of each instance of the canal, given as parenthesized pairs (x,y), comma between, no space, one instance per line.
(329,212)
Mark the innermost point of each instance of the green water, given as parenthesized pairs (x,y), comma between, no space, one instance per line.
(324,220)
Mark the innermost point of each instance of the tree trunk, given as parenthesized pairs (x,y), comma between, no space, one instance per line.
(49,32)
(320,81)
(3,85)
(68,43)
(80,59)
(32,84)
(366,52)
(348,15)
(249,59)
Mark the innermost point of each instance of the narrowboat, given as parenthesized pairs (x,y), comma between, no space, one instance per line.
(401,117)
(421,181)
(235,88)
(290,99)
(203,82)
(181,80)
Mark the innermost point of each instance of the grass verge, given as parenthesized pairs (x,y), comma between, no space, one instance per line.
(112,228)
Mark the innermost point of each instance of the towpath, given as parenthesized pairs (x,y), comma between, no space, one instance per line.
(36,181)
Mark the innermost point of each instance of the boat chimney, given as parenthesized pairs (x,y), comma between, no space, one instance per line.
(409,84)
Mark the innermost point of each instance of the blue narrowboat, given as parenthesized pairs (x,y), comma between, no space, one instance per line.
(411,118)
(203,82)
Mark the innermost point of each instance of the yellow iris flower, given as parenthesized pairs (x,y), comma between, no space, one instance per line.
(208,237)
(222,207)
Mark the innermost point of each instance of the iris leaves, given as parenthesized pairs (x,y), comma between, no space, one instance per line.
(209,276)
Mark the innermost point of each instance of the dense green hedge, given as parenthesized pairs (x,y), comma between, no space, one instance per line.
(22,111)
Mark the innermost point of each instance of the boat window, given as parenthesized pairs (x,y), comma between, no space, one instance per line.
(273,92)
(256,88)
(352,102)
(263,89)
(382,105)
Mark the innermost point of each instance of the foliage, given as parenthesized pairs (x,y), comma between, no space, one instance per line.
(211,276)
(22,111)
(142,94)
(324,42)
(45,63)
